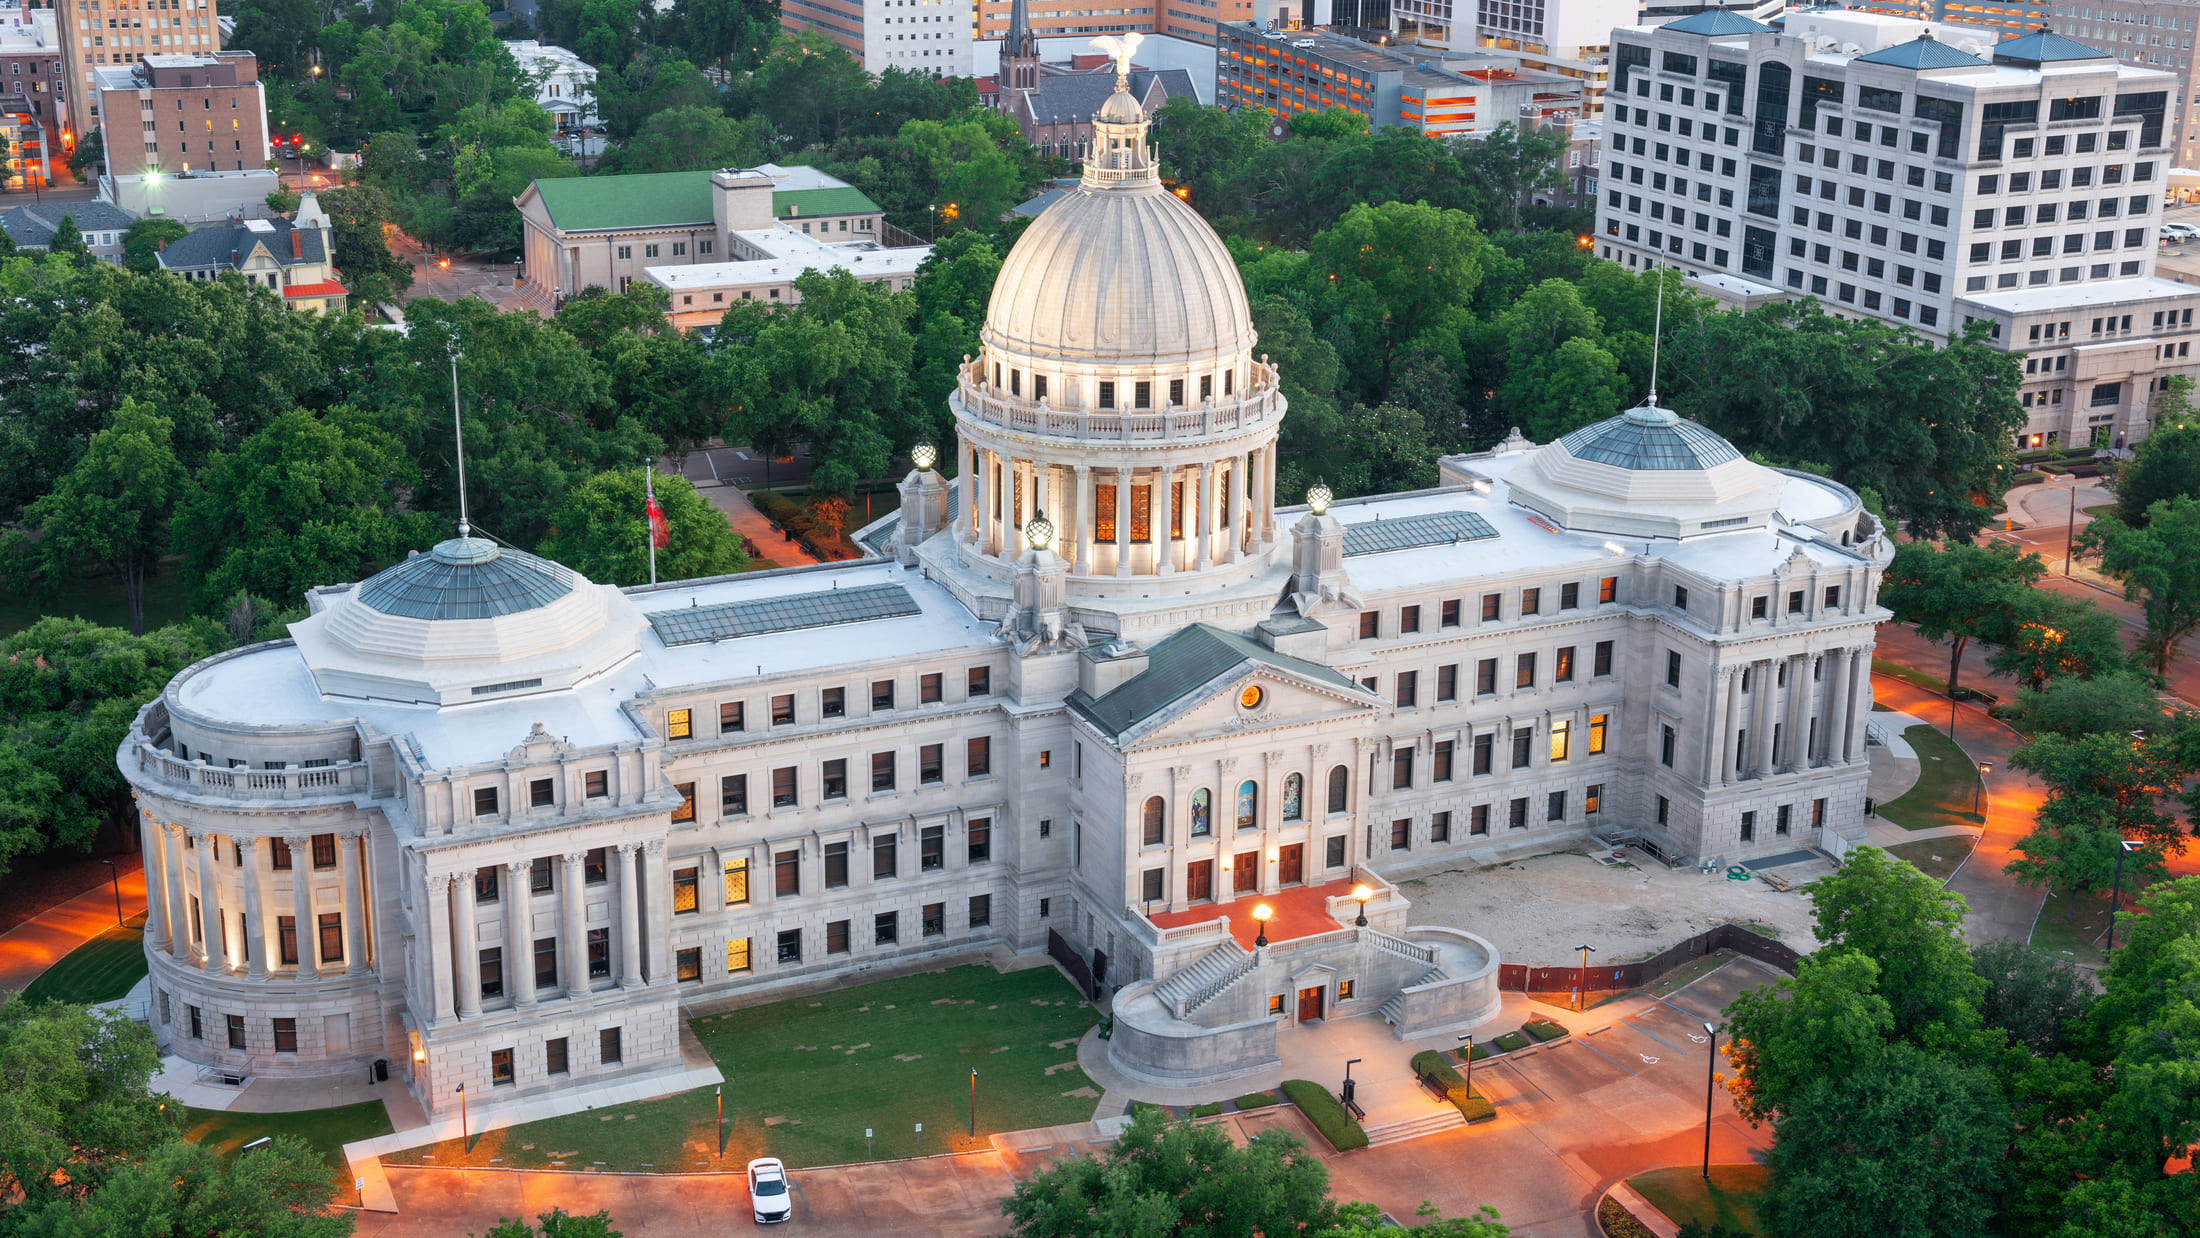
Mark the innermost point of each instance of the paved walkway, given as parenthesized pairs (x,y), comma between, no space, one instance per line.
(37,944)
(740,513)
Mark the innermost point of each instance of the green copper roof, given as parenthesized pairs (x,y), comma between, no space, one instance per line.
(1184,664)
(1716,22)
(2044,46)
(670,200)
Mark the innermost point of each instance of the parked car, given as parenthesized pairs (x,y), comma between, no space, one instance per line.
(2179,232)
(768,1191)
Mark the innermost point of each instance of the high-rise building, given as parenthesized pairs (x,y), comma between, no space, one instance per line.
(194,113)
(1906,170)
(98,34)
(1289,72)
(1568,37)
(920,36)
(30,92)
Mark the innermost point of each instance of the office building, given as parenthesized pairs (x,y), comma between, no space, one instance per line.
(31,81)
(106,33)
(187,113)
(932,37)
(1571,38)
(1309,71)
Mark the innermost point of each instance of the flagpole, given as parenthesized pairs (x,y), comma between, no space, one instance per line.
(649,489)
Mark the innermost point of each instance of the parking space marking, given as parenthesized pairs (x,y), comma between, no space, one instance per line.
(1660,1039)
(1593,1049)
(1523,1077)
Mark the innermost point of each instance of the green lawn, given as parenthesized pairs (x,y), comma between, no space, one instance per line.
(804,1077)
(326,1129)
(1729,1199)
(101,601)
(101,970)
(1938,857)
(2079,939)
(1947,785)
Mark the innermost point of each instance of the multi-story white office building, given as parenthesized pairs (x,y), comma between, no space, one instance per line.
(921,36)
(1098,695)
(1570,38)
(1894,168)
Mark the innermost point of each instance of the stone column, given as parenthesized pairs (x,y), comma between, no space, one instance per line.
(997,510)
(1233,488)
(657,933)
(519,934)
(969,483)
(1203,529)
(352,871)
(301,904)
(1164,520)
(1798,731)
(171,842)
(1122,522)
(1042,499)
(256,921)
(1714,752)
(1829,706)
(1268,493)
(630,924)
(439,945)
(465,929)
(1083,528)
(210,905)
(157,920)
(1856,705)
(573,923)
(1761,717)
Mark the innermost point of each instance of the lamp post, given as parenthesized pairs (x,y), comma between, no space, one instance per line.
(1360,895)
(2116,891)
(1349,1063)
(1984,768)
(973,1102)
(1581,994)
(114,879)
(718,1098)
(2070,530)
(1468,1059)
(465,1133)
(1710,1063)
(1261,914)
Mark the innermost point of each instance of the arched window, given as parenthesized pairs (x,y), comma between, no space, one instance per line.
(1153,820)
(1337,781)
(1248,805)
(1203,821)
(1294,798)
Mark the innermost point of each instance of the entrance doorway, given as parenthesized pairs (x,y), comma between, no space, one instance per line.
(1310,1004)
(1199,881)
(1245,872)
(1291,865)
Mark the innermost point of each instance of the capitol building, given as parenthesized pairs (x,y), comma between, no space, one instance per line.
(1100,694)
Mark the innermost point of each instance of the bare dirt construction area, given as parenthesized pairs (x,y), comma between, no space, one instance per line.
(1540,911)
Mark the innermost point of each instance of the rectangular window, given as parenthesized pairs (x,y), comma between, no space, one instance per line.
(492,971)
(1523,747)
(981,910)
(1749,827)
(1440,764)
(886,928)
(932,849)
(836,865)
(236,1030)
(1562,736)
(978,757)
(1672,668)
(783,793)
(1608,589)
(737,881)
(787,874)
(1531,601)
(1665,810)
(1562,671)
(731,718)
(836,937)
(596,784)
(1780,819)
(485,883)
(286,939)
(679,724)
(882,771)
(935,914)
(1601,663)
(931,763)
(1516,813)
(834,778)
(790,945)
(685,810)
(546,962)
(1451,613)
(1569,595)
(928,689)
(332,936)
(783,709)
(1401,769)
(324,850)
(1596,733)
(1370,624)
(733,795)
(981,680)
(1680,597)
(1555,808)
(1408,689)
(1490,606)
(1333,852)
(1439,828)
(1593,798)
(1447,683)
(1409,619)
(1478,820)
(554,1057)
(1524,670)
(979,834)
(833,702)
(1817,814)
(599,953)
(1485,747)
(738,955)
(541,793)
(1485,677)
(286,1035)
(1401,835)
(608,1050)
(1665,746)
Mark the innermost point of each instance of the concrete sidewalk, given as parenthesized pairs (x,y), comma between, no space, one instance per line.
(38,943)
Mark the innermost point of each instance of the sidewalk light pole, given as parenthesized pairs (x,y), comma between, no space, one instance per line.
(1984,768)
(2070,531)
(1581,994)
(1709,1065)
(1468,1058)
(2116,891)
(114,879)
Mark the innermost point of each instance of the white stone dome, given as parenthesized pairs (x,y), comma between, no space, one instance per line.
(1121,275)
(1646,473)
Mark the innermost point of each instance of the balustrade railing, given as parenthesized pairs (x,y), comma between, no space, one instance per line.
(296,782)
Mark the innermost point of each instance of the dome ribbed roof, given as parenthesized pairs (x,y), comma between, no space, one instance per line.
(1120,275)
(1649,439)
(466,578)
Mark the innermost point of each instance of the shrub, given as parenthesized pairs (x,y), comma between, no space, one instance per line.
(1618,1222)
(1543,1030)
(1208,1110)
(1509,1042)
(1326,1113)
(1141,1108)
(1481,1050)
(1254,1100)
(1435,1065)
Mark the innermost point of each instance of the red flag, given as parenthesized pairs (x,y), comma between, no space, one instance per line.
(660,534)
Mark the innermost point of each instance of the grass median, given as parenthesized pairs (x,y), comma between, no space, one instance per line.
(1947,787)
(1730,1198)
(103,969)
(806,1077)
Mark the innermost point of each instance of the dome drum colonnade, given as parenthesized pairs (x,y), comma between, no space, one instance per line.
(1117,390)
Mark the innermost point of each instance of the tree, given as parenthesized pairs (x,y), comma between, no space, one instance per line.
(74,1102)
(2166,463)
(2118,703)
(682,138)
(1202,146)
(2159,564)
(181,1190)
(1365,1220)
(1505,169)
(2055,636)
(1912,927)
(304,502)
(67,239)
(1178,1178)
(1958,591)
(90,153)
(1823,1024)
(141,245)
(602,532)
(1396,273)
(68,692)
(556,1223)
(113,508)
(358,218)
(2029,995)
(2103,788)
(1911,1145)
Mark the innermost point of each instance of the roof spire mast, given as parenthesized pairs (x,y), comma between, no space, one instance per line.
(458,433)
(1657,333)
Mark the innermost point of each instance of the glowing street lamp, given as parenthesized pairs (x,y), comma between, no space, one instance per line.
(924,455)
(1262,914)
(1360,895)
(1318,496)
(1039,531)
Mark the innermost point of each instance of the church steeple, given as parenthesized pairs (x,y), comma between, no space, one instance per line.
(1020,51)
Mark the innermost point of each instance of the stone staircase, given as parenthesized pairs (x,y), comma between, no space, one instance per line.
(1413,1128)
(1393,1009)
(1205,979)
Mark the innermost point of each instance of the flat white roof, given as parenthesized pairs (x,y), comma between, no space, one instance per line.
(794,252)
(2078,296)
(1735,284)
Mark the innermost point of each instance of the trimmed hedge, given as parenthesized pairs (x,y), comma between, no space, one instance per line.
(1208,1110)
(1510,1042)
(1543,1030)
(1481,1050)
(1326,1113)
(1618,1222)
(1254,1100)
(1141,1108)
(1436,1065)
